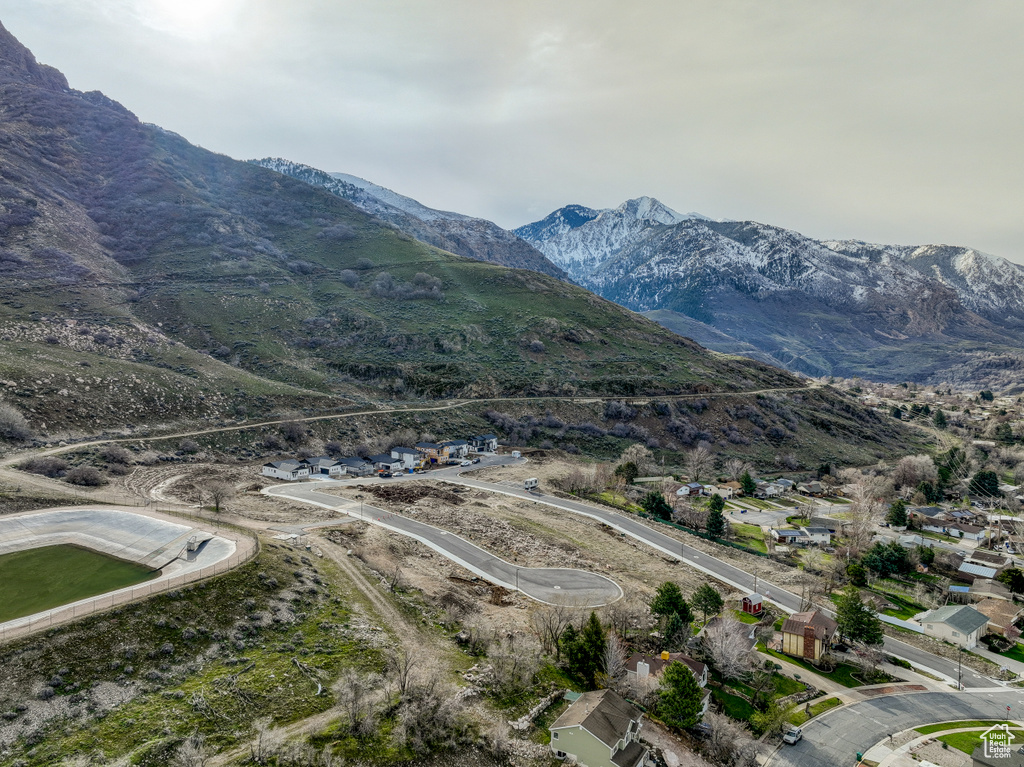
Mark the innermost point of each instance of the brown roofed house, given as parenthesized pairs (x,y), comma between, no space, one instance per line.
(1001,616)
(808,634)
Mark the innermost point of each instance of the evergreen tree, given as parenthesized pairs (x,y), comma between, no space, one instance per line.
(654,503)
(897,516)
(680,696)
(716,520)
(925,555)
(856,620)
(895,412)
(628,471)
(1013,579)
(940,420)
(668,599)
(584,650)
(707,600)
(858,574)
(748,484)
(985,482)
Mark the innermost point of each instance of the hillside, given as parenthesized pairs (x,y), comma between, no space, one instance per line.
(147,280)
(474,238)
(928,314)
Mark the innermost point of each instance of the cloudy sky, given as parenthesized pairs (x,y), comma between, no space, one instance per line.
(890,122)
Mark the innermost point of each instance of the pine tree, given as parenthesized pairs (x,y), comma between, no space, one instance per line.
(897,515)
(856,620)
(748,484)
(668,599)
(707,600)
(940,420)
(716,520)
(654,503)
(679,700)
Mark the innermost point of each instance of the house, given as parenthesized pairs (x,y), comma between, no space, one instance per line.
(816,535)
(913,541)
(289,469)
(484,443)
(1002,615)
(968,571)
(986,588)
(689,489)
(814,488)
(967,532)
(808,634)
(356,467)
(384,462)
(723,490)
(642,670)
(787,485)
(926,512)
(736,487)
(935,526)
(988,559)
(753,604)
(787,536)
(410,457)
(834,526)
(600,729)
(768,490)
(324,464)
(959,624)
(457,448)
(432,452)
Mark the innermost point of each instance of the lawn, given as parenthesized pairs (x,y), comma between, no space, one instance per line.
(1014,653)
(799,715)
(764,505)
(743,617)
(928,729)
(50,576)
(785,502)
(750,536)
(733,706)
(968,741)
(835,499)
(843,673)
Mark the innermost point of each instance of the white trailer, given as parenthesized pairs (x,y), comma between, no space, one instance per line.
(531,483)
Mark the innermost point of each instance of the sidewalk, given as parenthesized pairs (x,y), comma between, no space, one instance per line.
(1014,665)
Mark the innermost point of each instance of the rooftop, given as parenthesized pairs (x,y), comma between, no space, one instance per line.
(602,713)
(961,617)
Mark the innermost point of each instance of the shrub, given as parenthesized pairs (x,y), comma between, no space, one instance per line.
(49,467)
(338,233)
(13,426)
(85,476)
(349,277)
(116,454)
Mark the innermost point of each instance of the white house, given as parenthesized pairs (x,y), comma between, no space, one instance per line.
(410,457)
(643,672)
(356,467)
(691,488)
(789,536)
(384,462)
(324,464)
(722,490)
(289,469)
(817,535)
(785,484)
(959,624)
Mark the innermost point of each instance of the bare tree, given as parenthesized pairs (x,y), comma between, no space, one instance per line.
(628,616)
(615,657)
(729,741)
(726,645)
(698,463)
(400,668)
(912,470)
(219,493)
(355,693)
(641,456)
(549,623)
(514,664)
(736,468)
(13,426)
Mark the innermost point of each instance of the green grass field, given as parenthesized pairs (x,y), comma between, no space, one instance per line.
(38,579)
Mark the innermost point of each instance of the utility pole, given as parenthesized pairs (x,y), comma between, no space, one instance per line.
(959,668)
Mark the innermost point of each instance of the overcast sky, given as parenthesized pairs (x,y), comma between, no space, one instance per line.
(889,122)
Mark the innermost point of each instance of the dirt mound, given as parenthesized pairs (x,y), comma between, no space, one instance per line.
(411,492)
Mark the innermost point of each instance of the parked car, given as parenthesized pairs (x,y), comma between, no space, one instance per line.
(793,734)
(465,463)
(476,460)
(385,474)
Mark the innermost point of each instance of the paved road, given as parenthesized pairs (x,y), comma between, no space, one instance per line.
(835,737)
(552,585)
(638,529)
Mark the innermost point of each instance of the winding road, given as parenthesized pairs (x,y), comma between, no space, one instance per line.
(499,571)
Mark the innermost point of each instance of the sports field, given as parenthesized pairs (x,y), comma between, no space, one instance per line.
(38,579)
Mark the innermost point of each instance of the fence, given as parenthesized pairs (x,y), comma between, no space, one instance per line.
(246,547)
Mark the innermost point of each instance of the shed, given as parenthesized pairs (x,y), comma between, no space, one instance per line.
(753,604)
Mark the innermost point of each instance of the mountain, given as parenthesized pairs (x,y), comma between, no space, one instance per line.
(144,280)
(932,314)
(463,235)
